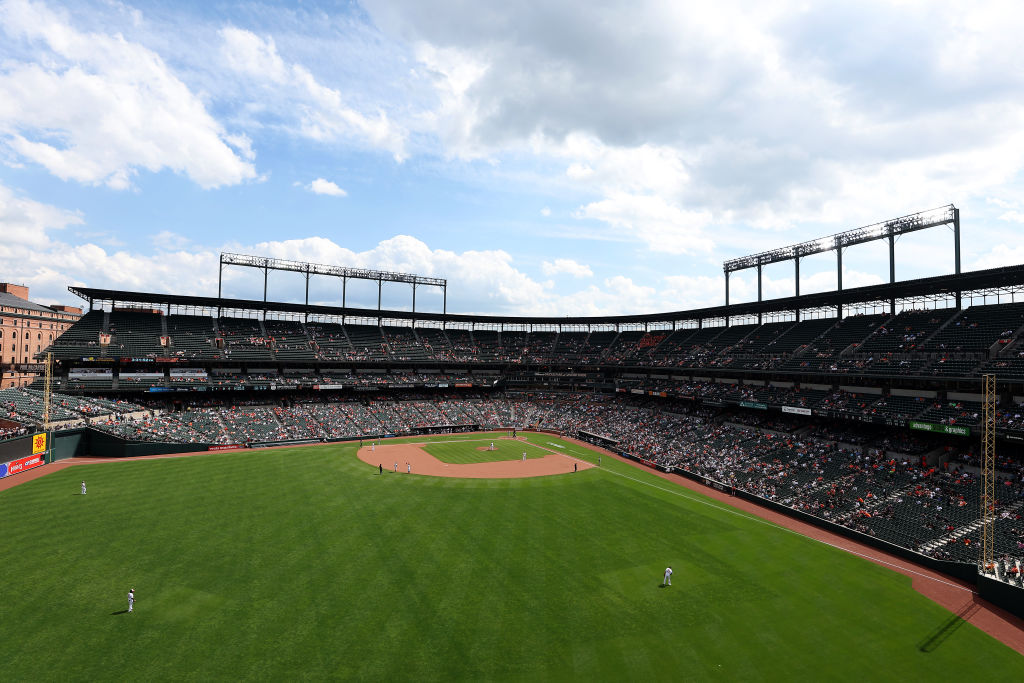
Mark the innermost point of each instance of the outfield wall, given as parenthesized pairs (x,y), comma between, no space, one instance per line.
(103,445)
(1002,594)
(16,456)
(72,443)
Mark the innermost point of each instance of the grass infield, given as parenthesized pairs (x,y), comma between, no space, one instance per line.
(305,563)
(462,452)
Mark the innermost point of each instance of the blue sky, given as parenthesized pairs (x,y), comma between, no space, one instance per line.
(559,158)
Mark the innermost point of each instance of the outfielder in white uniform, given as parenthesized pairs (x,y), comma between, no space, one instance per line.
(131,599)
(83,488)
(668,576)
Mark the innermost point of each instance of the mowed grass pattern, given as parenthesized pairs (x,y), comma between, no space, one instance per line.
(306,564)
(463,452)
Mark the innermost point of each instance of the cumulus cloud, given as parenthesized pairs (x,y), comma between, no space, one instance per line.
(323,112)
(658,224)
(96,108)
(26,223)
(321,186)
(775,116)
(566,266)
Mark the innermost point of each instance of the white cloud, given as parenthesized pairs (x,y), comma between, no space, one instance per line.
(1013,216)
(96,108)
(321,186)
(291,90)
(658,224)
(775,116)
(998,256)
(566,266)
(545,212)
(25,223)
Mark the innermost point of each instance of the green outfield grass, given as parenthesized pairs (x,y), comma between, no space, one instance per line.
(306,564)
(462,452)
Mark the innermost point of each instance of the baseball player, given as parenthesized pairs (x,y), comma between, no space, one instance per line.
(492,445)
(83,488)
(408,468)
(396,466)
(668,576)
(131,600)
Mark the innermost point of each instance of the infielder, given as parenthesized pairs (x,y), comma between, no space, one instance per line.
(131,599)
(668,576)
(408,468)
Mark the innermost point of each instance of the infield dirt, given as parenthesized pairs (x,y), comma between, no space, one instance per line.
(424,463)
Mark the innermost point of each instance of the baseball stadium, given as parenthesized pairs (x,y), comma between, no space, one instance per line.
(297,490)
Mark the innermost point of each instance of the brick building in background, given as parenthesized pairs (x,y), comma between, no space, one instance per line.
(26,328)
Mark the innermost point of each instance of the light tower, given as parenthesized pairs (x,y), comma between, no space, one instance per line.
(986,562)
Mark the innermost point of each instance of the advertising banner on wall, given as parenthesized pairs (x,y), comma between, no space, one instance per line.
(21,465)
(956,430)
(796,411)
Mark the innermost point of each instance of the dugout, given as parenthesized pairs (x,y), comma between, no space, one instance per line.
(598,440)
(446,429)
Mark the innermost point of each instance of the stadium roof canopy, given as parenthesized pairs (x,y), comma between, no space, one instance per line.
(991,281)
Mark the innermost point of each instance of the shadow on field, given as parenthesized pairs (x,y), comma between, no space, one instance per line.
(124,611)
(947,628)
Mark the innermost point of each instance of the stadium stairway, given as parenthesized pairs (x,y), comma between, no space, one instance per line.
(878,501)
(966,530)
(926,342)
(1009,350)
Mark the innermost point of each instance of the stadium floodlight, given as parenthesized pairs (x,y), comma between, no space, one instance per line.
(894,227)
(888,229)
(267,264)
